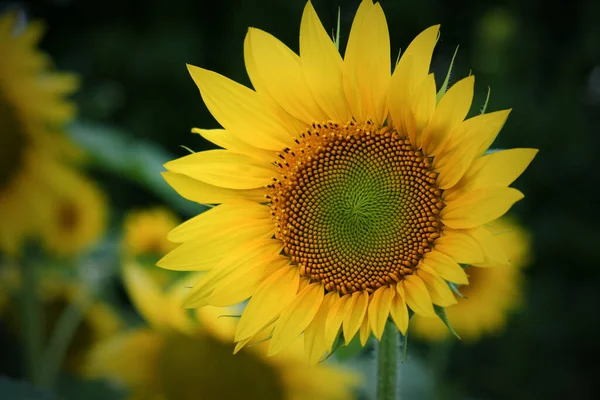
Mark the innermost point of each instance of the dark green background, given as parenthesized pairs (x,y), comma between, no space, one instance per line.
(541,58)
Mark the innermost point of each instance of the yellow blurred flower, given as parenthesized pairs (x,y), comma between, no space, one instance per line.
(177,358)
(145,231)
(57,293)
(491,294)
(76,215)
(145,240)
(33,108)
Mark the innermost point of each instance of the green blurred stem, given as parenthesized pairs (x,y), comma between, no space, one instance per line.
(387,363)
(31,318)
(61,338)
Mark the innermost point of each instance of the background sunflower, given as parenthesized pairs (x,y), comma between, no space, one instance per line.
(137,104)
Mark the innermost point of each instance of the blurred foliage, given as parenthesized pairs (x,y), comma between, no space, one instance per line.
(541,58)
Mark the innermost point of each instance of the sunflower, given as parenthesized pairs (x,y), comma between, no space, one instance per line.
(491,294)
(32,108)
(56,293)
(145,241)
(76,215)
(145,231)
(345,193)
(178,358)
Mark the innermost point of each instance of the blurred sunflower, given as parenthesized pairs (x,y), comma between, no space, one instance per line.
(57,293)
(145,241)
(32,108)
(145,231)
(491,294)
(346,192)
(177,358)
(76,215)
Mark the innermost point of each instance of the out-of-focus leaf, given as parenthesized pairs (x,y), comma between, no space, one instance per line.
(137,160)
(21,390)
(441,313)
(72,388)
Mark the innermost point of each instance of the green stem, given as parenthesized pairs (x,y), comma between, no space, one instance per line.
(61,338)
(387,363)
(31,318)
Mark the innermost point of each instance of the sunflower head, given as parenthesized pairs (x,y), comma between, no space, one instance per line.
(176,357)
(76,214)
(346,192)
(145,232)
(33,110)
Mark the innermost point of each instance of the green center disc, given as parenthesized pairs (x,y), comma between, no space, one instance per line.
(356,208)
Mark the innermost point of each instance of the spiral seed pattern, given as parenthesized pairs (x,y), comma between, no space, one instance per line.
(356,207)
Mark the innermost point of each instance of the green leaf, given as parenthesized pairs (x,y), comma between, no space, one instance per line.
(487,99)
(136,160)
(444,87)
(441,313)
(13,389)
(454,288)
(405,337)
(73,388)
(336,34)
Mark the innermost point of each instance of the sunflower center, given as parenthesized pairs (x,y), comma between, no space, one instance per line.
(13,141)
(68,217)
(356,207)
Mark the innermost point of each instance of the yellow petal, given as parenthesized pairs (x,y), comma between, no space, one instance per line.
(229,141)
(379,309)
(470,139)
(459,246)
(157,309)
(241,283)
(253,254)
(479,207)
(276,71)
(354,313)
(322,65)
(204,252)
(113,358)
(266,305)
(225,169)
(364,332)
(438,289)
(204,193)
(222,216)
(409,74)
(367,64)
(417,296)
(500,168)
(398,310)
(260,337)
(451,111)
(145,294)
(296,317)
(314,335)
(334,319)
(444,266)
(494,254)
(422,110)
(241,111)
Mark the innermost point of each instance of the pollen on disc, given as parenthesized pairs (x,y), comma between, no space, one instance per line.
(355,207)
